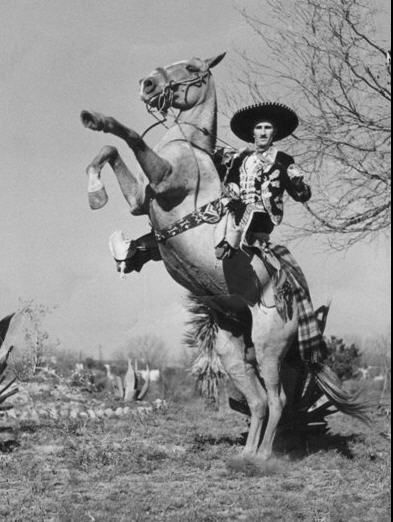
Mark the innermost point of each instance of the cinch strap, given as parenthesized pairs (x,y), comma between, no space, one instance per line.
(210,213)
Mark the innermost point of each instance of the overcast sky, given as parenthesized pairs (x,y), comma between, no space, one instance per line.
(61,56)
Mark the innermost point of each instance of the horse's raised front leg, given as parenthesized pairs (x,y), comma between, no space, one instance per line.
(132,185)
(157,169)
(231,352)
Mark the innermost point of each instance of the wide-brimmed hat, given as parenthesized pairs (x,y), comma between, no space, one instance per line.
(282,117)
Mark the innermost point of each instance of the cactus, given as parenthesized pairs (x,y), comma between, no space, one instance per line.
(7,429)
(5,391)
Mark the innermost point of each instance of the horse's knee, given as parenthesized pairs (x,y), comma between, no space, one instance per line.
(107,153)
(110,152)
(276,401)
(257,407)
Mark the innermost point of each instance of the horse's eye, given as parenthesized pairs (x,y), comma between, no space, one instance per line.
(192,68)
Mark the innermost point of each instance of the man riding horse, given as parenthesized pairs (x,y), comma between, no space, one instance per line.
(260,300)
(254,182)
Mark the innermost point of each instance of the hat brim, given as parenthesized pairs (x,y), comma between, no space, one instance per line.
(282,117)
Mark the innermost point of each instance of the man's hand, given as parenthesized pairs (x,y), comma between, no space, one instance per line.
(298,182)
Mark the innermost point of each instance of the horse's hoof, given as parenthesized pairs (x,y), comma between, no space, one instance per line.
(92,121)
(243,463)
(253,465)
(98,199)
(269,466)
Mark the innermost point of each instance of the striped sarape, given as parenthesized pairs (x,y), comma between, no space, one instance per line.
(311,343)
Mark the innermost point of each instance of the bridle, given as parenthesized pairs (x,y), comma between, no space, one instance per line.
(164,99)
(164,103)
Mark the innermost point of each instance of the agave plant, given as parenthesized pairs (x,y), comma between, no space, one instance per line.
(5,384)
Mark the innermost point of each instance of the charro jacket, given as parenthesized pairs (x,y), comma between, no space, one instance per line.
(260,180)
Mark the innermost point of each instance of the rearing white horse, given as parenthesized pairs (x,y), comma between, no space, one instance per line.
(179,188)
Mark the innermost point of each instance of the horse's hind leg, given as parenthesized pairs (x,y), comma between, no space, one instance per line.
(231,352)
(273,337)
(270,371)
(132,186)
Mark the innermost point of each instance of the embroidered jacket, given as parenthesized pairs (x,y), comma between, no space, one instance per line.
(261,180)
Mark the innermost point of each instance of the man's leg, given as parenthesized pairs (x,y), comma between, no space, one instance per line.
(132,255)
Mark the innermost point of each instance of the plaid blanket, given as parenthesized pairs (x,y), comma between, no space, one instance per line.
(311,343)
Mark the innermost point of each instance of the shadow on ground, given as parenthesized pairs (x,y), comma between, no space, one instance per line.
(294,445)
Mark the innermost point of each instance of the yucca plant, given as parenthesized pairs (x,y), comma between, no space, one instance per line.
(201,334)
(5,383)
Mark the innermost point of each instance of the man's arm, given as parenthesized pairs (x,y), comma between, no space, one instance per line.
(228,162)
(294,184)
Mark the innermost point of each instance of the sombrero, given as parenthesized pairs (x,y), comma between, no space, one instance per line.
(283,118)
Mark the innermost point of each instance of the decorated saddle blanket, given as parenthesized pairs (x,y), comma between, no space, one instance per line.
(310,339)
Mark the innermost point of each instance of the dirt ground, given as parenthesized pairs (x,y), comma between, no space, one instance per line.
(174,465)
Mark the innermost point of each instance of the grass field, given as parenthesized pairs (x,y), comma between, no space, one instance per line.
(172,466)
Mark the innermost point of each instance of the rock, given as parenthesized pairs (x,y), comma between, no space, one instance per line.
(42,412)
(145,410)
(11,414)
(53,413)
(35,417)
(92,414)
(8,437)
(109,413)
(25,415)
(64,413)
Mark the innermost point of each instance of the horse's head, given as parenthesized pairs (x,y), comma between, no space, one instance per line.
(180,85)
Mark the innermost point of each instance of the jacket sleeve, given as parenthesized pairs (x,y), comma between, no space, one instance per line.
(233,162)
(294,184)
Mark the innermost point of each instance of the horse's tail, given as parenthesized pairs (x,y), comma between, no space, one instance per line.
(328,382)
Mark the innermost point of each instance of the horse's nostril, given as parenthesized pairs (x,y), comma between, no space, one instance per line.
(149,85)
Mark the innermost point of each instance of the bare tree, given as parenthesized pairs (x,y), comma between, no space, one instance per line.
(33,354)
(148,349)
(326,60)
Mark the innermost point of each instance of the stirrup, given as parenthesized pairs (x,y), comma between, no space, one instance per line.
(224,250)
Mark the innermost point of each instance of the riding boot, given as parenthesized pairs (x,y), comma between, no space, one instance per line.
(131,255)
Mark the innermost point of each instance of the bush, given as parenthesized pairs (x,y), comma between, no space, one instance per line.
(343,360)
(178,385)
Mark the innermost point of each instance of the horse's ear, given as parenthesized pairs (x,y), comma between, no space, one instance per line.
(212,62)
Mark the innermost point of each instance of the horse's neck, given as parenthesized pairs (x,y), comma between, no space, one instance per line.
(197,125)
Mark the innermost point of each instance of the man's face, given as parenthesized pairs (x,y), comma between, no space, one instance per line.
(263,134)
